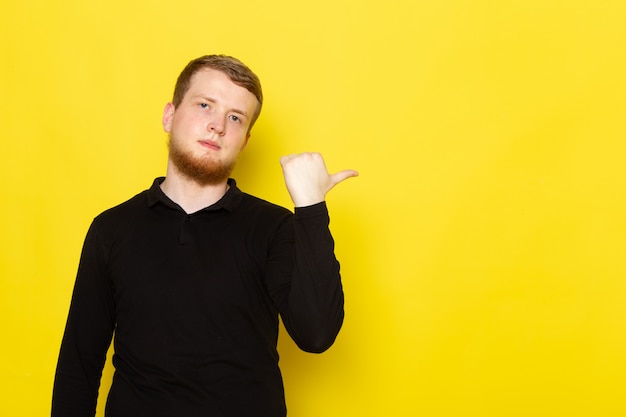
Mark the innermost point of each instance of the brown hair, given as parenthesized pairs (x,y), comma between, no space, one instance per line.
(236,70)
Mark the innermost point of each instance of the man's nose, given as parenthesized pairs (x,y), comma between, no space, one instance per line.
(216,124)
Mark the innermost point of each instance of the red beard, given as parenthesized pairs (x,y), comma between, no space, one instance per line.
(203,171)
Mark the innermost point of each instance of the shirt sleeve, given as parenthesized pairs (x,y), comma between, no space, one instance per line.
(311,301)
(87,336)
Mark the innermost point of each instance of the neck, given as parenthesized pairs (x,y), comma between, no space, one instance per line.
(190,195)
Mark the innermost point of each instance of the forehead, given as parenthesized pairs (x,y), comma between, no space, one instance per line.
(216,85)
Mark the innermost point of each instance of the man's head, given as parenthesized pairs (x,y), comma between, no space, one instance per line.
(236,71)
(216,101)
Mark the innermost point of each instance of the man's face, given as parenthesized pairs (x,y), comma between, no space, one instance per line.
(209,128)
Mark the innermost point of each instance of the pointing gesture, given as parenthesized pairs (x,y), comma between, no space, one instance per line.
(307,178)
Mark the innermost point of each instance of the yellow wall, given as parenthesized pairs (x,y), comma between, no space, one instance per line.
(482,246)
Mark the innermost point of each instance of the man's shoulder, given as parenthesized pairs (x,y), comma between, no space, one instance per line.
(251,203)
(125,211)
(119,220)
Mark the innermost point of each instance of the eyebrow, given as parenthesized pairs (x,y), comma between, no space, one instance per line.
(212,100)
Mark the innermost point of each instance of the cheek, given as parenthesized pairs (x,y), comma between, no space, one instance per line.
(186,124)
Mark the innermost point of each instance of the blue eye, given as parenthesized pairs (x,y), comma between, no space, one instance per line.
(234,118)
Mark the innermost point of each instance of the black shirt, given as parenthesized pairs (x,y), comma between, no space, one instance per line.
(194,301)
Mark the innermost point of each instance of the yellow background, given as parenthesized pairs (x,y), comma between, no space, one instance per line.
(482,246)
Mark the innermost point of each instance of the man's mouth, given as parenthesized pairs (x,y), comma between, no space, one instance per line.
(209,144)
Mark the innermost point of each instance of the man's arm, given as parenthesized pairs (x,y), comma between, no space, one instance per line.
(313,311)
(87,337)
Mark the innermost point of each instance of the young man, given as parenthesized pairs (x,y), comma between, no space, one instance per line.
(192,274)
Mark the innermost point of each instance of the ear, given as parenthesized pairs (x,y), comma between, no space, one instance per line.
(168,115)
(245,142)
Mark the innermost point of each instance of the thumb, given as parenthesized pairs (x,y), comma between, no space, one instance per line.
(337,177)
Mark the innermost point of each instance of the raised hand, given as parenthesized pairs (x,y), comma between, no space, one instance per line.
(307,178)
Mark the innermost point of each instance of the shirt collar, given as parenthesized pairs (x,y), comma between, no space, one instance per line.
(229,202)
